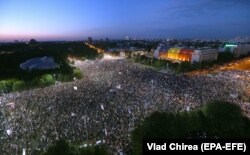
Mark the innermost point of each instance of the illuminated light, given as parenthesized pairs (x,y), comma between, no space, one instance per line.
(9,132)
(11,105)
(73,114)
(24,152)
(109,57)
(102,107)
(106,132)
(100,142)
(230,45)
(118,86)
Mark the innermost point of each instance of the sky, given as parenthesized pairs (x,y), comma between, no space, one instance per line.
(116,19)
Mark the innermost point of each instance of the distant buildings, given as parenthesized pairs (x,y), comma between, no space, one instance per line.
(161,51)
(32,42)
(204,55)
(185,54)
(90,40)
(199,54)
(237,49)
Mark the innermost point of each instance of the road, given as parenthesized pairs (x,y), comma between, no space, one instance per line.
(99,50)
(241,65)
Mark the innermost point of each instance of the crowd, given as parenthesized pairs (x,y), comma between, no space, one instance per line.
(104,106)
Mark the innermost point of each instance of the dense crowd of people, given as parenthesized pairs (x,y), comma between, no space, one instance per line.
(104,106)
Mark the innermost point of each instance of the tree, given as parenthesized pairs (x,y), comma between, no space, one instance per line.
(9,63)
(225,120)
(77,73)
(63,148)
(32,42)
(184,67)
(225,57)
(7,85)
(46,80)
(18,85)
(64,77)
(220,119)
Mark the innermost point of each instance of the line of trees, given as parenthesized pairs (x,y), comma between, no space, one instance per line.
(63,148)
(182,67)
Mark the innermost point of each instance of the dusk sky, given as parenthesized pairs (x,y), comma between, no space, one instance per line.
(78,19)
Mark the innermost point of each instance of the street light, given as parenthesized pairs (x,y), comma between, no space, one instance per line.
(24,152)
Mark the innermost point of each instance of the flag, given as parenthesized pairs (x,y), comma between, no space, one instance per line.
(102,106)
(106,132)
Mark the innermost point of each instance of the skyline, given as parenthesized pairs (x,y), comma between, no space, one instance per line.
(76,20)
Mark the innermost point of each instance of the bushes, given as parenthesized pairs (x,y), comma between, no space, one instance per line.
(183,67)
(225,120)
(42,81)
(6,85)
(63,148)
(225,57)
(180,67)
(77,73)
(11,85)
(18,85)
(159,63)
(64,77)
(46,80)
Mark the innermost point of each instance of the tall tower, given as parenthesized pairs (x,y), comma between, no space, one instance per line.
(90,40)
(127,38)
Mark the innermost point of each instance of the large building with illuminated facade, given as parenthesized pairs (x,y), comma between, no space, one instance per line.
(185,54)
(237,49)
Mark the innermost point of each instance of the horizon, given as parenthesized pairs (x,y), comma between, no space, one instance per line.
(77,20)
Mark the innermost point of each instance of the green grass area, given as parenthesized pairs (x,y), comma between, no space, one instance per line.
(216,120)
(13,78)
(19,85)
